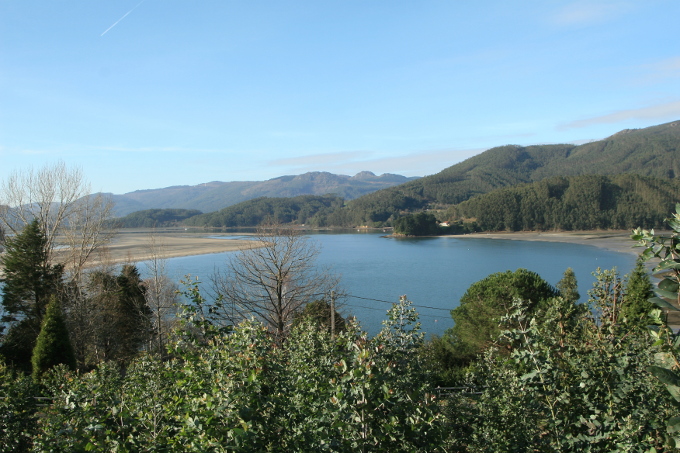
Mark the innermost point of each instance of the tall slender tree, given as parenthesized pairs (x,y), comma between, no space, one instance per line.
(568,287)
(638,291)
(53,346)
(29,280)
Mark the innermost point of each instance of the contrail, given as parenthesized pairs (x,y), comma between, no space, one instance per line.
(125,15)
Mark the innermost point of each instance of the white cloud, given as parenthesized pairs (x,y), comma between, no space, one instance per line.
(668,110)
(589,12)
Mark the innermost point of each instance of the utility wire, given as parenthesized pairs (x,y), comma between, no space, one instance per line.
(388,302)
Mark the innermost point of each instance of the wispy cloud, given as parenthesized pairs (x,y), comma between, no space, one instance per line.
(124,16)
(589,12)
(664,69)
(655,112)
(153,149)
(418,163)
(319,159)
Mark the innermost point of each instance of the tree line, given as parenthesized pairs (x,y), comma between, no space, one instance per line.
(573,203)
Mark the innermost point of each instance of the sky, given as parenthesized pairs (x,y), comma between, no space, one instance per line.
(156,93)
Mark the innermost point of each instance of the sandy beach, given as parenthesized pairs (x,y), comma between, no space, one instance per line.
(133,245)
(616,241)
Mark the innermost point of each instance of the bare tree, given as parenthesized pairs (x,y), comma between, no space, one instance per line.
(161,293)
(272,279)
(74,222)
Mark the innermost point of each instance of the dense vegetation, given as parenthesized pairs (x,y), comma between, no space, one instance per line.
(421,224)
(156,218)
(531,369)
(626,180)
(305,209)
(574,203)
(651,152)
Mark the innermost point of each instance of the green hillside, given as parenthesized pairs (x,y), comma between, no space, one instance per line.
(574,203)
(652,151)
(304,209)
(151,218)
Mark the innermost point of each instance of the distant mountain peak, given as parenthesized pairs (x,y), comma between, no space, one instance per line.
(364,175)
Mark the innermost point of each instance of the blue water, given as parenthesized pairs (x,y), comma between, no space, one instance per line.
(433,272)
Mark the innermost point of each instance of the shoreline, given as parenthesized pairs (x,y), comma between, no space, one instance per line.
(134,246)
(614,241)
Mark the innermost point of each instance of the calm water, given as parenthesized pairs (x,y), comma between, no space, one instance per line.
(432,272)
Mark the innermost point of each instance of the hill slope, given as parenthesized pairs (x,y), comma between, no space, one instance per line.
(216,195)
(652,152)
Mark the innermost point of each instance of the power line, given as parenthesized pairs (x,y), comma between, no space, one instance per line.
(388,302)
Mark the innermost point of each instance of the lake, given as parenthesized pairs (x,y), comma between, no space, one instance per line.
(433,272)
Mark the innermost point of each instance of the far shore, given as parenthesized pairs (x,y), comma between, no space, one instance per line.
(130,246)
(615,241)
(133,245)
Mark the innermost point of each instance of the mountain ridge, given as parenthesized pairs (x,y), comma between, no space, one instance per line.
(216,195)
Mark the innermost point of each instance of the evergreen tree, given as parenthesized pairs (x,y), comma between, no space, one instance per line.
(28,281)
(53,346)
(638,290)
(568,286)
(133,315)
(319,312)
(487,301)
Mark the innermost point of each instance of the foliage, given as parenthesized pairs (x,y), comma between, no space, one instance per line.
(17,410)
(572,382)
(28,278)
(667,295)
(319,313)
(488,300)
(420,224)
(28,282)
(568,287)
(243,391)
(53,346)
(110,318)
(638,308)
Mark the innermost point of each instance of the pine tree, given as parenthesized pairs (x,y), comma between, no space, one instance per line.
(638,290)
(28,281)
(568,287)
(133,315)
(53,345)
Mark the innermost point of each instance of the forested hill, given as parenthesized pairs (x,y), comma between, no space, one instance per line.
(304,209)
(652,151)
(216,195)
(625,201)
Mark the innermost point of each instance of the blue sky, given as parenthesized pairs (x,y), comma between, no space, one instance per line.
(174,92)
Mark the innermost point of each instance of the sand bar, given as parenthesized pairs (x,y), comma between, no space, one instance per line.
(135,245)
(615,241)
